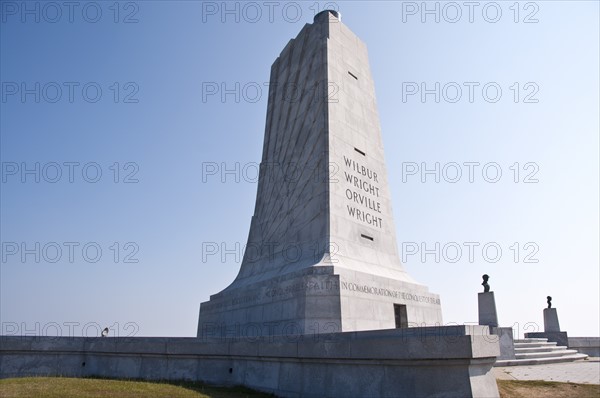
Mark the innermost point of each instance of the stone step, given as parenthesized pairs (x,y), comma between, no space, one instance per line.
(539,344)
(561,353)
(550,348)
(539,361)
(532,340)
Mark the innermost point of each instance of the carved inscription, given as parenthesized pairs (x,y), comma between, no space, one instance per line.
(363,193)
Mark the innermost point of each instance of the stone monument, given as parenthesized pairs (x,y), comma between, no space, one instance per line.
(321,264)
(551,327)
(489,316)
(487,305)
(322,254)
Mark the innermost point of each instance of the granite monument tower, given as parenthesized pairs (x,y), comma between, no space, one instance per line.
(322,254)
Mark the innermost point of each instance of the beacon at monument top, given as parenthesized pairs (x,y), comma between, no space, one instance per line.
(333,12)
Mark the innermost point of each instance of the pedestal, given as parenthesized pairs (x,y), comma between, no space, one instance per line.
(560,338)
(487,309)
(551,320)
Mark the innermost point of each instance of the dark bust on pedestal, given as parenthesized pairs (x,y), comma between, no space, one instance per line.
(486,286)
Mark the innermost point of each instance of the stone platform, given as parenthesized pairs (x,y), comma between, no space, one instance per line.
(584,371)
(453,361)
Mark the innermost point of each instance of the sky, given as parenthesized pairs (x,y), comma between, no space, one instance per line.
(131,132)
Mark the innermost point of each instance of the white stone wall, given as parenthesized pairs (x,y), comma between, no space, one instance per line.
(420,362)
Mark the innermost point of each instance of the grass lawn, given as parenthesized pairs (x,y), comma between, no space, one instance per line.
(63,387)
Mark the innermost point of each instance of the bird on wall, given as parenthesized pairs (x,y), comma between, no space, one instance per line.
(104,332)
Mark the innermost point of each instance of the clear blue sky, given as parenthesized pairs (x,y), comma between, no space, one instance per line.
(160,130)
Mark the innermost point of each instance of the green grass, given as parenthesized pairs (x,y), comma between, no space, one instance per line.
(63,387)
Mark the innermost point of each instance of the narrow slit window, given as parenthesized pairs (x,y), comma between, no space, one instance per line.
(353,75)
(366,237)
(359,151)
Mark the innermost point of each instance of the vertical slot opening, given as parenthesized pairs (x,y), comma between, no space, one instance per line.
(400,316)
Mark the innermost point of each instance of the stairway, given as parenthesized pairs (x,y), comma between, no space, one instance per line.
(538,352)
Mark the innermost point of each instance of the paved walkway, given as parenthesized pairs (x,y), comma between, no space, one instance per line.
(583,371)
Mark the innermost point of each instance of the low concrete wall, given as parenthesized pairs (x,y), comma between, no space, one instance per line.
(451,361)
(586,345)
(506,341)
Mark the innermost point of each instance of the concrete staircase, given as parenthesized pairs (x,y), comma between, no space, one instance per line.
(538,352)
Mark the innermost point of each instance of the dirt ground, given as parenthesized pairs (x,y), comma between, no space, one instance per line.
(546,389)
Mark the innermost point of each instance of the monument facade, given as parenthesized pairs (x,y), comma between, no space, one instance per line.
(322,254)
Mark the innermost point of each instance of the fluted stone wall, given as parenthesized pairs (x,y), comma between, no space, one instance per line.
(322,254)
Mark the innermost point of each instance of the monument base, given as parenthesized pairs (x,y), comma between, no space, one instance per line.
(560,338)
(551,329)
(318,299)
(487,309)
(452,361)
